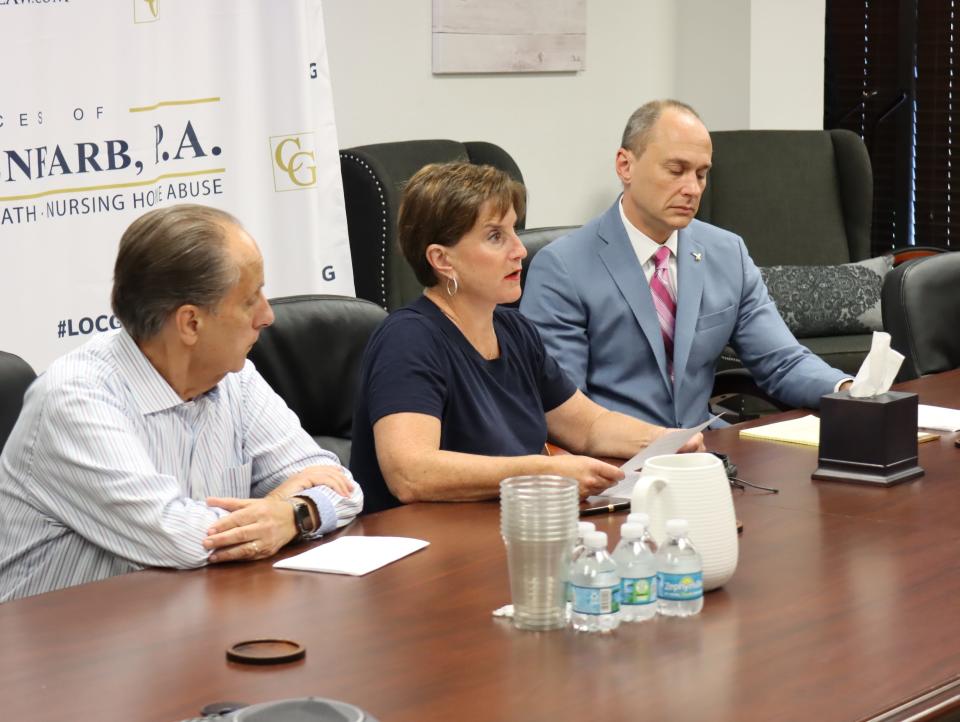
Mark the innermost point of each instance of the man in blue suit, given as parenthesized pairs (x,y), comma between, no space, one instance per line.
(640,329)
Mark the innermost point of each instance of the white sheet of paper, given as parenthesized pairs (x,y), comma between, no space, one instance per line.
(356,555)
(669,443)
(938,418)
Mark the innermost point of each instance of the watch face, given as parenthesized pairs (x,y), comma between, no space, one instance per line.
(301,516)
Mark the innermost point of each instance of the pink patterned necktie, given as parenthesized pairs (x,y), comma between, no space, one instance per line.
(664,300)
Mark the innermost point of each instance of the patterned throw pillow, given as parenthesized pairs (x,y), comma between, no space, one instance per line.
(829,300)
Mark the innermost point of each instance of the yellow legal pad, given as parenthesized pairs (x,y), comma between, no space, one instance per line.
(805,431)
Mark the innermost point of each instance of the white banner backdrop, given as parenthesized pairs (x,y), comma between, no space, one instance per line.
(112,107)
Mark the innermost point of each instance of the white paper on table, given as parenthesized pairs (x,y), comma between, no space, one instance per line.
(356,555)
(669,443)
(938,418)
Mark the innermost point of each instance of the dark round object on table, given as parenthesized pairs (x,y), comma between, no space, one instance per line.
(266,651)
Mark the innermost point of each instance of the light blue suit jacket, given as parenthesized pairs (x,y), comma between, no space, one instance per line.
(588,296)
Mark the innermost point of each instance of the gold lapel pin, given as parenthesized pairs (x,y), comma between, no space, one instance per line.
(696,256)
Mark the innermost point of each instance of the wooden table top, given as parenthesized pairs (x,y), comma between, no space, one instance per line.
(844,605)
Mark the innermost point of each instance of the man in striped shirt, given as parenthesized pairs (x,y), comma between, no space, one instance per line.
(160,444)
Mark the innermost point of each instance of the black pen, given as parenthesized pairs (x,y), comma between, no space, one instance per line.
(599,505)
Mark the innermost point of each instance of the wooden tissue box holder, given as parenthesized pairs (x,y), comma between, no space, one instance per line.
(868,441)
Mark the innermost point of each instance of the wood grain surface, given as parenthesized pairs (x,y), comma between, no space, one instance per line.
(846,604)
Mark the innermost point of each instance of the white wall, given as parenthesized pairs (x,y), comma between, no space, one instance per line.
(786,63)
(564,129)
(752,63)
(713,61)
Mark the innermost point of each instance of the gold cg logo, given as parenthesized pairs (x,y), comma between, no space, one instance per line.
(146,11)
(294,162)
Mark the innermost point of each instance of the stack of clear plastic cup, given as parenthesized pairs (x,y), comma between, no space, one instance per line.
(538,523)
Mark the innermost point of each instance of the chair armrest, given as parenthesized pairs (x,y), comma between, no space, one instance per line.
(902,254)
(739,382)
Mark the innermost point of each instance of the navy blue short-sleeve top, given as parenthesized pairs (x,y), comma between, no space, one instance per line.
(418,361)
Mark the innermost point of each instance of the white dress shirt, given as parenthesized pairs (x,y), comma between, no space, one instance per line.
(645,247)
(108,469)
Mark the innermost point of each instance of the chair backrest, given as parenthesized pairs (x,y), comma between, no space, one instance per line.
(15,376)
(921,306)
(797,197)
(311,357)
(533,240)
(373,180)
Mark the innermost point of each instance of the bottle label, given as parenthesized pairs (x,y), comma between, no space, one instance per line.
(596,600)
(680,587)
(642,590)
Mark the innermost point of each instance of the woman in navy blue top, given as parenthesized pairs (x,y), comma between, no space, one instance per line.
(456,392)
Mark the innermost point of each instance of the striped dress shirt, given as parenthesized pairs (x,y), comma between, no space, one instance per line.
(107,469)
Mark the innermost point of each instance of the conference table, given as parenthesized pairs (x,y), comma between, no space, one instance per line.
(845,606)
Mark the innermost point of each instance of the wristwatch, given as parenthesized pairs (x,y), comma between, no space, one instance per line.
(302,517)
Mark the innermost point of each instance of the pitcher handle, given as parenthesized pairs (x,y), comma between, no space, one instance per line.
(640,498)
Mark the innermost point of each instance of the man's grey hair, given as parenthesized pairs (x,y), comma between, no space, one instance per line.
(637,133)
(170,257)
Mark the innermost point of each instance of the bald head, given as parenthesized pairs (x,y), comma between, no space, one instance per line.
(663,168)
(642,121)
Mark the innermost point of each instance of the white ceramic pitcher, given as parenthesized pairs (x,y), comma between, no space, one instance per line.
(692,487)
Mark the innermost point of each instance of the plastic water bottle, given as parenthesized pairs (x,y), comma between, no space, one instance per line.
(637,566)
(583,528)
(596,587)
(639,517)
(679,573)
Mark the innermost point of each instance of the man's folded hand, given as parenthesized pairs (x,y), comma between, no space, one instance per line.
(254,528)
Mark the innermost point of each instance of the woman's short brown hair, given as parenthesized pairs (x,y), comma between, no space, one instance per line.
(441,203)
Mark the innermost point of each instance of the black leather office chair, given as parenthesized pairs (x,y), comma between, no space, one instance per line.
(311,357)
(921,309)
(373,180)
(15,376)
